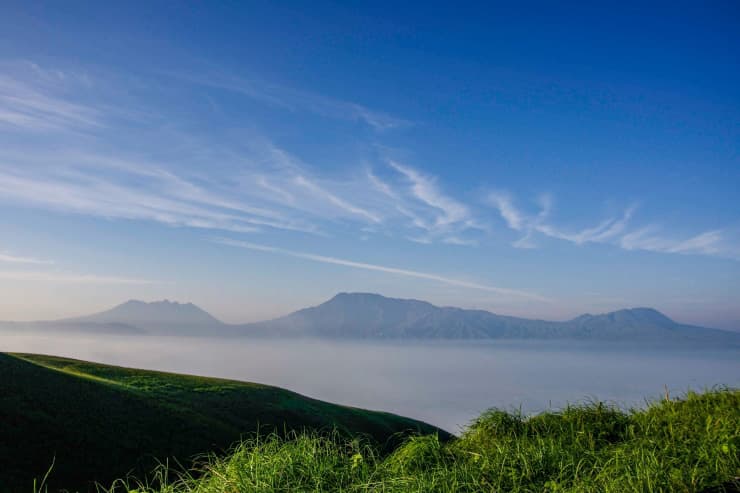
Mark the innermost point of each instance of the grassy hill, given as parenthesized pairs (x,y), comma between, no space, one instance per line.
(99,422)
(686,445)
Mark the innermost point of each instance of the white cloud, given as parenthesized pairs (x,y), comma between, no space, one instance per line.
(602,232)
(13,259)
(425,189)
(456,240)
(24,106)
(513,217)
(612,230)
(531,224)
(279,192)
(293,99)
(525,242)
(707,243)
(382,268)
(92,195)
(252,185)
(330,197)
(32,276)
(380,185)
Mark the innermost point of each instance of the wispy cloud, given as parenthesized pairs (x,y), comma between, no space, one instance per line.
(612,230)
(41,108)
(514,218)
(604,231)
(14,259)
(88,193)
(380,185)
(333,199)
(432,215)
(252,184)
(292,99)
(707,243)
(382,268)
(33,276)
(57,276)
(270,189)
(425,190)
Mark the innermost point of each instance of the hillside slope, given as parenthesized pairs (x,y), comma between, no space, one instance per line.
(687,445)
(98,422)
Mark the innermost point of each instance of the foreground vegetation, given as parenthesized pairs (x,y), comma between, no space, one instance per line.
(691,444)
(98,422)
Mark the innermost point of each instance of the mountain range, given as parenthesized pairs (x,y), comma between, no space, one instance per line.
(372,316)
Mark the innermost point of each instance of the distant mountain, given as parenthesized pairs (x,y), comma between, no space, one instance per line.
(159,316)
(372,316)
(135,318)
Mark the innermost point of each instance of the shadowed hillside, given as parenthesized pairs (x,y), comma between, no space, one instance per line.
(98,422)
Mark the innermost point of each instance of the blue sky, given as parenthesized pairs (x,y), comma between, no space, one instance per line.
(255,158)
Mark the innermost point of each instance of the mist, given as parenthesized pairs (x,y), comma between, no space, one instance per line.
(445,384)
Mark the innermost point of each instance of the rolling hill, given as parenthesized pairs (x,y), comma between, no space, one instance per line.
(97,422)
(687,445)
(372,316)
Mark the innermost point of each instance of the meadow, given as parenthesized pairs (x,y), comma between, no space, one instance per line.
(96,422)
(690,444)
(71,425)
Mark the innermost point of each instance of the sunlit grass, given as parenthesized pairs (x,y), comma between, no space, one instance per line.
(690,444)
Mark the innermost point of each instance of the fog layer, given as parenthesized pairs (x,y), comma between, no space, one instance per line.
(446,384)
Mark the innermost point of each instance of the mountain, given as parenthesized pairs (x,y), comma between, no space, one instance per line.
(366,315)
(135,318)
(372,316)
(159,316)
(97,422)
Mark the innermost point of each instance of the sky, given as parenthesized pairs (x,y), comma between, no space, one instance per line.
(256,158)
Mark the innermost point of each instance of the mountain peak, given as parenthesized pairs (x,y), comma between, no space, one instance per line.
(638,310)
(164,302)
(371,315)
(629,317)
(369,297)
(146,313)
(356,294)
(644,313)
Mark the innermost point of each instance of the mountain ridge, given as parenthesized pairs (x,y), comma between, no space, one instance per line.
(165,316)
(369,315)
(357,315)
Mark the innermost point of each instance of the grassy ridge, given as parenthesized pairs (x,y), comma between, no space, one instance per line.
(99,422)
(687,445)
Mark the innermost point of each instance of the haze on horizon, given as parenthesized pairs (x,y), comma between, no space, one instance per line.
(255,159)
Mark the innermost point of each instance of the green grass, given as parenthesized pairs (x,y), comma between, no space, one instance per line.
(101,422)
(687,445)
(97,422)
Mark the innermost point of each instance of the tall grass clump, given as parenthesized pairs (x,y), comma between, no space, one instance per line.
(691,444)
